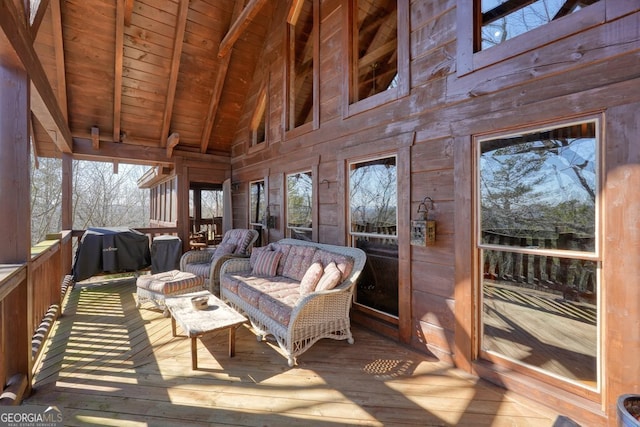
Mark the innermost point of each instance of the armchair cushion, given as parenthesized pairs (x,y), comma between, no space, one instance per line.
(243,238)
(224,249)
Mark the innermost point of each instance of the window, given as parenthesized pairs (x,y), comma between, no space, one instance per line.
(373,201)
(539,250)
(299,205)
(301,62)
(378,63)
(502,20)
(257,200)
(258,122)
(375,42)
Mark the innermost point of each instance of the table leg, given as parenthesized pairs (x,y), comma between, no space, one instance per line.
(194,354)
(232,341)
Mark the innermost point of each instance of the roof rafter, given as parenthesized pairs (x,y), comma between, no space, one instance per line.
(181,24)
(44,103)
(117,79)
(58,45)
(38,17)
(221,76)
(294,12)
(238,27)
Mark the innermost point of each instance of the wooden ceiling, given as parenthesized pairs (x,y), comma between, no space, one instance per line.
(137,80)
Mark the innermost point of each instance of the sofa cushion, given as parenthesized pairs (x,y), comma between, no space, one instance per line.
(274,296)
(298,261)
(330,278)
(344,262)
(266,263)
(311,278)
(284,249)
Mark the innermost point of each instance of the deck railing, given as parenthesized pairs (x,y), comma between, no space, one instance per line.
(31,297)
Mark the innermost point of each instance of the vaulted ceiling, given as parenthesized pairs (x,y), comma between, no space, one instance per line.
(138,80)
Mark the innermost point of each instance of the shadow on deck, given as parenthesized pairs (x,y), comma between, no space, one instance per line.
(108,363)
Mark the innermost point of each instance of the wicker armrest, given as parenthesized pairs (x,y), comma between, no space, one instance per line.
(216,266)
(235,264)
(194,257)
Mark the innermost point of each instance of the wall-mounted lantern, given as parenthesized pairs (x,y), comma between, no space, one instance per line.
(423,229)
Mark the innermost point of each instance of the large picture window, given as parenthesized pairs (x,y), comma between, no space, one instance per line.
(538,240)
(299,205)
(502,20)
(375,42)
(302,70)
(373,202)
(257,200)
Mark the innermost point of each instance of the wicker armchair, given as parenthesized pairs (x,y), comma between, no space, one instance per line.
(236,243)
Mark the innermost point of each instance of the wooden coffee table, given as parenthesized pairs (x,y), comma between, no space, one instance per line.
(196,323)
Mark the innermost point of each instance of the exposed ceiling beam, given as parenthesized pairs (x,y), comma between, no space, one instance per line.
(117,79)
(238,27)
(294,12)
(38,16)
(181,25)
(95,137)
(58,45)
(172,141)
(136,154)
(221,76)
(128,11)
(34,146)
(43,100)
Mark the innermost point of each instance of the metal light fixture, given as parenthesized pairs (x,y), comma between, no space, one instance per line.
(423,229)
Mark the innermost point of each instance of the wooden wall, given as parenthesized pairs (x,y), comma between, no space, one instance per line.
(586,65)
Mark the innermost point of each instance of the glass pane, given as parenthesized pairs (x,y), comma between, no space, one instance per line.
(376,35)
(373,196)
(373,208)
(378,283)
(505,19)
(301,72)
(257,202)
(542,312)
(538,190)
(299,200)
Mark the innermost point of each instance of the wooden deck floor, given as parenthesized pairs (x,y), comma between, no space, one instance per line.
(108,363)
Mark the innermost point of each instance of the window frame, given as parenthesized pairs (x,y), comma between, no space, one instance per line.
(592,393)
(293,131)
(350,63)
(264,199)
(469,25)
(259,115)
(313,198)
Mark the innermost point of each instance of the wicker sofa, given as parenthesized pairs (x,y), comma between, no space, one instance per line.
(297,296)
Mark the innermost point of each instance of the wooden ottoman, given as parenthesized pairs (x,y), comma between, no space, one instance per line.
(155,288)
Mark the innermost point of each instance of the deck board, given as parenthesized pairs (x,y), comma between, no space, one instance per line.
(108,363)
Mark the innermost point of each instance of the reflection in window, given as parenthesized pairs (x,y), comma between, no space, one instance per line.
(256,202)
(258,122)
(299,205)
(540,188)
(537,199)
(375,47)
(302,40)
(373,202)
(503,20)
